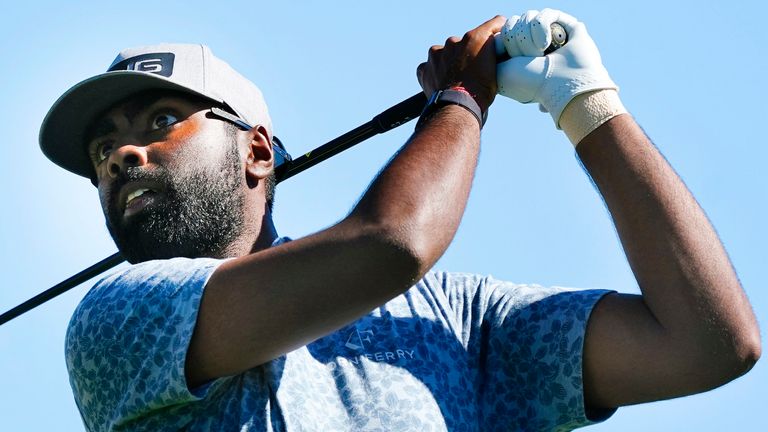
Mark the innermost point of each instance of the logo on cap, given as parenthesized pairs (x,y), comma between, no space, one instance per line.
(156,63)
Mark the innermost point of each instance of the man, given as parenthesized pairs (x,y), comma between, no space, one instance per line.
(346,329)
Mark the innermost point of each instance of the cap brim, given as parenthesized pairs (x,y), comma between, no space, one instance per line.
(62,132)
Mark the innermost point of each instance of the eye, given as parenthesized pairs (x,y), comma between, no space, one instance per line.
(102,150)
(163,120)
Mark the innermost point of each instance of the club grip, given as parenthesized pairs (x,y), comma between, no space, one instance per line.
(403,112)
(559,38)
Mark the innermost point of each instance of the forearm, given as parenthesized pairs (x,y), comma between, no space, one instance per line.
(421,195)
(692,328)
(684,273)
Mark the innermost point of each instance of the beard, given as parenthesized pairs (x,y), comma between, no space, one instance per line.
(199,213)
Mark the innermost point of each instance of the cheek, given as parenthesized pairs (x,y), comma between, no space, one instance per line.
(195,145)
(105,198)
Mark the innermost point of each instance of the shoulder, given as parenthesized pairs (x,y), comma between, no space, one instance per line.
(145,285)
(170,275)
(457,286)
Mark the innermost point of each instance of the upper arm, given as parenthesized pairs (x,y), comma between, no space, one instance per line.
(260,306)
(629,357)
(532,341)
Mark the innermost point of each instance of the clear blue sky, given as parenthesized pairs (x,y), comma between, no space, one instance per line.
(692,73)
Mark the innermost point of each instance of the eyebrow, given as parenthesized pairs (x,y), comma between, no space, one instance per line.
(140,103)
(131,109)
(102,127)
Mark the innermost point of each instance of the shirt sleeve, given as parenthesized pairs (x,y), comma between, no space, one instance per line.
(527,342)
(127,341)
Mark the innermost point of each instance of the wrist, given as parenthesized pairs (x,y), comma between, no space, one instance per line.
(482,102)
(455,95)
(588,111)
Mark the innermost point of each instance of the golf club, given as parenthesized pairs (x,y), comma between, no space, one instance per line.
(388,119)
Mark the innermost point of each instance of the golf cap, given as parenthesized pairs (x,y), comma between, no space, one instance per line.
(187,68)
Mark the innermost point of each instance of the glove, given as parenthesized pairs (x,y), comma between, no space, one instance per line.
(555,79)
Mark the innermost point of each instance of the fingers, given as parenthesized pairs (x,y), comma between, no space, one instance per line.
(482,35)
(492,26)
(482,32)
(541,31)
(469,62)
(522,32)
(420,75)
(498,45)
(530,34)
(508,36)
(568,22)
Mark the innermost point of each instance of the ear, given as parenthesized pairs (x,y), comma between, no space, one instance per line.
(259,162)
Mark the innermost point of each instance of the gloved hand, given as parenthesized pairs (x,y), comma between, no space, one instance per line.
(555,79)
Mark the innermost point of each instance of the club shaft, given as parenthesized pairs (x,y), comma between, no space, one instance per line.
(326,151)
(391,118)
(63,286)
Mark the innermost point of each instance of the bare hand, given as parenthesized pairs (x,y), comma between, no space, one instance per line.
(469,62)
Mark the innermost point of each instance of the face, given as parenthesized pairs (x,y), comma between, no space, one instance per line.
(170,179)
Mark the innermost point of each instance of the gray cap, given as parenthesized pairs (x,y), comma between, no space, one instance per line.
(188,68)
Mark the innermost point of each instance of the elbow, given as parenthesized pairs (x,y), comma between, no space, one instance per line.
(747,351)
(745,343)
(735,336)
(415,251)
(421,245)
(401,249)
(381,252)
(417,236)
(736,356)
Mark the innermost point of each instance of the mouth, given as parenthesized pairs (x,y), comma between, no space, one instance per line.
(134,198)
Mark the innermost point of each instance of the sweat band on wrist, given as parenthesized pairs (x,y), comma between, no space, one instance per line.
(586,112)
(457,96)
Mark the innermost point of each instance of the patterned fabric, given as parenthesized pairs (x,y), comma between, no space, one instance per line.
(456,352)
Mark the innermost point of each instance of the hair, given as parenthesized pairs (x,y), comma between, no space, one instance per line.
(269,186)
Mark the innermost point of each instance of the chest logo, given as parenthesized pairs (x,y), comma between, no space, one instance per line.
(357,339)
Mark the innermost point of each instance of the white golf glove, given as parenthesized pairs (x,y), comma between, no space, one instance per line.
(555,79)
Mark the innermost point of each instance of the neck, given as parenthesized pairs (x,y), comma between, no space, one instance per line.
(258,235)
(267,234)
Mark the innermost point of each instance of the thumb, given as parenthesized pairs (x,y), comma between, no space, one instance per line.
(520,78)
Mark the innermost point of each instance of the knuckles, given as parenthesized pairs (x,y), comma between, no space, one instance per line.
(420,70)
(461,57)
(453,40)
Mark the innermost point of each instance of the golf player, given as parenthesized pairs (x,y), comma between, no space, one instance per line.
(222,325)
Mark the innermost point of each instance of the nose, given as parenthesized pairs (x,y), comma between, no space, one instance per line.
(126,156)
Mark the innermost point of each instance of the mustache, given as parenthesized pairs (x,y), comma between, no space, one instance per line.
(158,175)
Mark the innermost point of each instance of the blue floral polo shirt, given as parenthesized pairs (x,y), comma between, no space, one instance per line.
(456,352)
